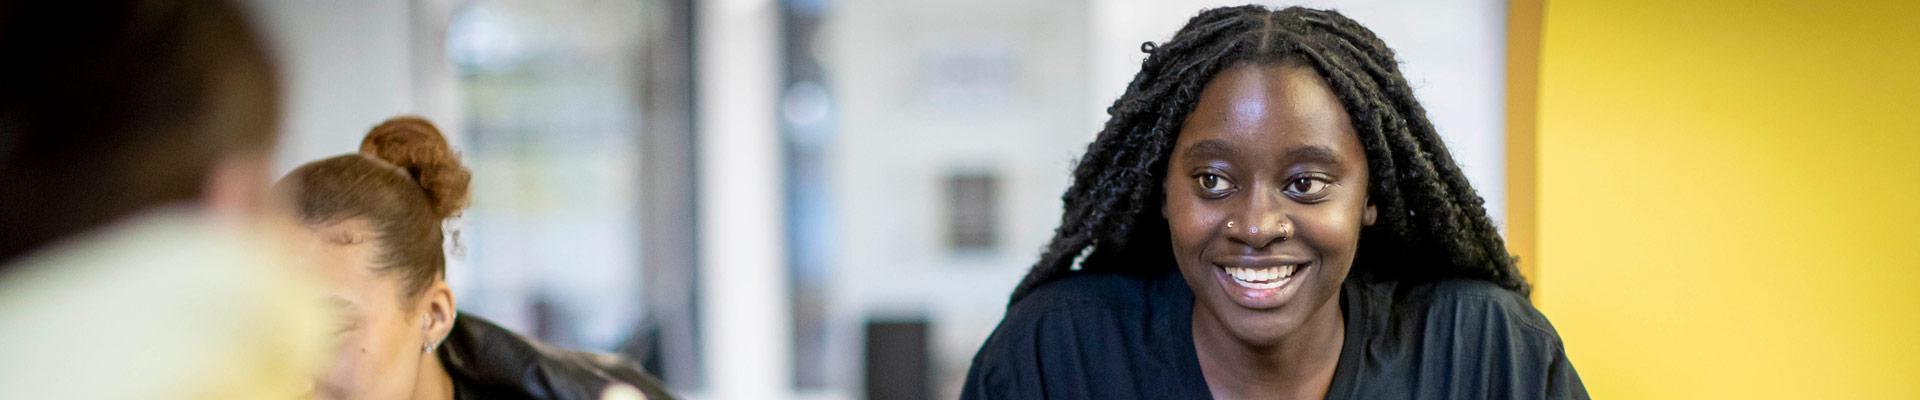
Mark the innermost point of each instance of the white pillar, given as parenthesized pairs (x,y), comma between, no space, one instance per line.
(743,281)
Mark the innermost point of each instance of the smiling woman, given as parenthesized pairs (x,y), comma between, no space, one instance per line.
(1269,238)
(1269,214)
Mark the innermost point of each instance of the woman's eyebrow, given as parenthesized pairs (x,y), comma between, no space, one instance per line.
(341,305)
(1312,154)
(1210,149)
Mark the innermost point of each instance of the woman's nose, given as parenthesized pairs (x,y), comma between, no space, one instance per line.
(1262,222)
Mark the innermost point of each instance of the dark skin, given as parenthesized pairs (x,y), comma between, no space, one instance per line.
(1267,179)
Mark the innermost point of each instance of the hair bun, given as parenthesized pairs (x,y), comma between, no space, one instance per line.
(416,146)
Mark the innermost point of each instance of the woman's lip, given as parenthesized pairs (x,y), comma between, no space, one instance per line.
(1258,262)
(1256,298)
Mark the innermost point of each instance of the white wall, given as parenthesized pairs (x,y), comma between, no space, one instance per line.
(345,65)
(746,330)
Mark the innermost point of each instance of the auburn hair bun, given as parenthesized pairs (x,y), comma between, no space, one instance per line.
(416,146)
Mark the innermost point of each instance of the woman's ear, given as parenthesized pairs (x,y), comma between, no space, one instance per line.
(439,315)
(1166,186)
(1371,214)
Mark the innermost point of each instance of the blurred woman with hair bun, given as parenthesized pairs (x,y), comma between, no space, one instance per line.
(375,220)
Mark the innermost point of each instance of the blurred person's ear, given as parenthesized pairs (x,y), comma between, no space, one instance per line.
(237,188)
(238,193)
(439,313)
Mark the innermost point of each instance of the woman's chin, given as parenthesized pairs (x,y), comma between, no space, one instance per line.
(1261,331)
(1262,328)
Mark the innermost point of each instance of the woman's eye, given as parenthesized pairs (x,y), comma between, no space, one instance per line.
(1306,186)
(1214,183)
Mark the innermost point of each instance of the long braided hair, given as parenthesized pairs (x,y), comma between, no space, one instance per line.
(1431,223)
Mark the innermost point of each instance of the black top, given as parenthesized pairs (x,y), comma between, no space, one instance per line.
(1118,336)
(490,362)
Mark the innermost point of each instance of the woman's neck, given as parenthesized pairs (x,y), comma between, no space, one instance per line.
(433,382)
(1301,366)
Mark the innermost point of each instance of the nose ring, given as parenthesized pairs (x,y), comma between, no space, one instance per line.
(1229,224)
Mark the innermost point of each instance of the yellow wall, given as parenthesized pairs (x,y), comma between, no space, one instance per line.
(1729,196)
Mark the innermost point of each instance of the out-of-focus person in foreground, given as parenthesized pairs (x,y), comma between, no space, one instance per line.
(375,221)
(1268,214)
(137,258)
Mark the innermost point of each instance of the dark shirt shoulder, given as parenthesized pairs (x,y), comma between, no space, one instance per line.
(1453,338)
(1081,293)
(487,361)
(1476,301)
(1089,336)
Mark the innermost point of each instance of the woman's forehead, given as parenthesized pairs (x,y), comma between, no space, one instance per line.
(1273,108)
(346,252)
(355,225)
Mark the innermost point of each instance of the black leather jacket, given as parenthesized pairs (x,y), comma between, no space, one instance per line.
(490,362)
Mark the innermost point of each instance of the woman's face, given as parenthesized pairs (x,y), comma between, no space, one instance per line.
(379,338)
(1266,192)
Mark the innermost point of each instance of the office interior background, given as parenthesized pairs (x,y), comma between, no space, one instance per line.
(832,199)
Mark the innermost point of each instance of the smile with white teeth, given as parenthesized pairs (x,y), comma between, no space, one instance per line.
(1262,278)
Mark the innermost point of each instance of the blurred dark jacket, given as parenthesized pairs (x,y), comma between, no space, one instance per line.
(490,362)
